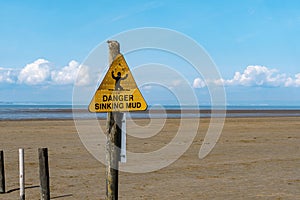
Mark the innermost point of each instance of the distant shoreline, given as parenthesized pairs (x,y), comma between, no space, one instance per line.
(189,111)
(64,112)
(70,114)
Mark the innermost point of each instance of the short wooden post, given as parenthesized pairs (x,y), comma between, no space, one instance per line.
(44,173)
(2,173)
(22,174)
(113,135)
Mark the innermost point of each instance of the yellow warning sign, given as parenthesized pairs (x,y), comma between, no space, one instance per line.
(118,91)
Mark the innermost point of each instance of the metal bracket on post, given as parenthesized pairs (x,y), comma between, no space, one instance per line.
(123,140)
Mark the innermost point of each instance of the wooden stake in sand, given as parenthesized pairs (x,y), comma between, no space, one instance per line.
(22,175)
(116,94)
(113,142)
(44,173)
(2,173)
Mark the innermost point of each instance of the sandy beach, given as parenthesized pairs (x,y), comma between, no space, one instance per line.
(255,158)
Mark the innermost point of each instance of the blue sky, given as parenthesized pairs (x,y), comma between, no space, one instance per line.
(254,43)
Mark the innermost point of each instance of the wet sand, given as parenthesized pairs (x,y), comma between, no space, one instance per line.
(255,158)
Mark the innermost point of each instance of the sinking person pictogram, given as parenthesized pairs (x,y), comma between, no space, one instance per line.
(118,80)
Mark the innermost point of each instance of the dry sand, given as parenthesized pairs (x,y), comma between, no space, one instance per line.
(255,158)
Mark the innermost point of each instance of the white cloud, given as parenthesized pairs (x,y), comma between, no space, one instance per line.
(66,75)
(70,74)
(40,72)
(83,76)
(297,80)
(293,82)
(147,87)
(8,75)
(198,83)
(176,83)
(35,73)
(259,76)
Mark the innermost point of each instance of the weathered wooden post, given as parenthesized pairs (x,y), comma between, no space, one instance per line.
(113,142)
(116,94)
(2,173)
(22,174)
(44,173)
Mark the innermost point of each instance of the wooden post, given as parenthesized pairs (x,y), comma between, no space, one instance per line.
(113,139)
(2,173)
(22,174)
(44,173)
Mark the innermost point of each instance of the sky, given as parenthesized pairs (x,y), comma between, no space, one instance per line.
(254,43)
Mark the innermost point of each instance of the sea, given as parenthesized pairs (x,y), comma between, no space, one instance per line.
(31,111)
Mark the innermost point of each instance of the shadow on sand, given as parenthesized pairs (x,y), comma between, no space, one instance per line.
(36,186)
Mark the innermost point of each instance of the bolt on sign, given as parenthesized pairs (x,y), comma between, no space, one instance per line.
(118,91)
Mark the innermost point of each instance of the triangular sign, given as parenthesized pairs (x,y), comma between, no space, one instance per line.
(118,91)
